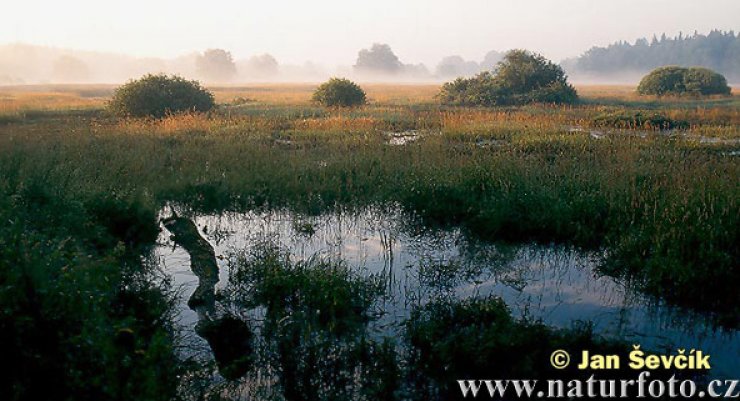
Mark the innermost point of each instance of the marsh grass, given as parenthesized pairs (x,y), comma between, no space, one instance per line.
(478,337)
(323,293)
(664,207)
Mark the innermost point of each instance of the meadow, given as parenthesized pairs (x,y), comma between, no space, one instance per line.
(652,183)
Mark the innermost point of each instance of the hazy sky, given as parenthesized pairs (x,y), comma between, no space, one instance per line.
(332,31)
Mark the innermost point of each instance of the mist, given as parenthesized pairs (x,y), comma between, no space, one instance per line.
(81,41)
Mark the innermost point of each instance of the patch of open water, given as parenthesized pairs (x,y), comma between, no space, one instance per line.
(555,284)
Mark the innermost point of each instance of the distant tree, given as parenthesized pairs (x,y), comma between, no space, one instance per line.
(378,59)
(339,92)
(215,65)
(159,95)
(456,66)
(491,59)
(262,66)
(70,69)
(674,80)
(719,51)
(520,78)
(416,70)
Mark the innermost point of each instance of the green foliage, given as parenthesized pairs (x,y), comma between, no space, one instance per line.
(627,119)
(160,95)
(77,320)
(520,78)
(339,92)
(129,222)
(481,90)
(665,209)
(322,292)
(673,80)
(478,337)
(717,50)
(315,330)
(703,81)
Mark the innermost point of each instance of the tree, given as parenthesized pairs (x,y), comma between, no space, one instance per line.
(520,78)
(455,66)
(717,50)
(215,65)
(378,59)
(339,92)
(673,80)
(159,95)
(525,77)
(261,66)
(491,59)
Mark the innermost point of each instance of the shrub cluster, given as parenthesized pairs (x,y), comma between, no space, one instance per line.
(673,80)
(520,78)
(159,95)
(339,92)
(638,120)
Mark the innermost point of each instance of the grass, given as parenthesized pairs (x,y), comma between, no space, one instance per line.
(655,195)
(80,191)
(325,293)
(477,337)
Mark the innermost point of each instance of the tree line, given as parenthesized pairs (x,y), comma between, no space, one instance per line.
(717,50)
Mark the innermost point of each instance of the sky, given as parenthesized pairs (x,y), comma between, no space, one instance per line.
(333,31)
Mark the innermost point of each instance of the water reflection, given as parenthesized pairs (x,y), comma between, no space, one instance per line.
(554,284)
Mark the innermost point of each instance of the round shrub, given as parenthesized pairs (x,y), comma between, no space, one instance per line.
(339,92)
(703,81)
(160,95)
(521,77)
(673,80)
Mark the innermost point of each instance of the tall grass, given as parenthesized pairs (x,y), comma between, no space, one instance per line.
(663,207)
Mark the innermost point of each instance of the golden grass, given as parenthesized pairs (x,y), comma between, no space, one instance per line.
(385,100)
(606,91)
(19,101)
(300,94)
(63,97)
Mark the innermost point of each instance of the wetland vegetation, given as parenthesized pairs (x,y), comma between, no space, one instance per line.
(649,186)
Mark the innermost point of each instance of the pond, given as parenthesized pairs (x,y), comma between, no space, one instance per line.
(557,285)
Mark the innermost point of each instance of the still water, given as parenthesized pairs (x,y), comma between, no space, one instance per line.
(555,284)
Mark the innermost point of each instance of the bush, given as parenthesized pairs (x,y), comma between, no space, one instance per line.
(339,92)
(703,81)
(673,80)
(637,120)
(160,95)
(520,78)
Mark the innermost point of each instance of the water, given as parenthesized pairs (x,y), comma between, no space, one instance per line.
(555,284)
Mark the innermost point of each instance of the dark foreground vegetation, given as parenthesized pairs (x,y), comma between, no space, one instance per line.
(82,317)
